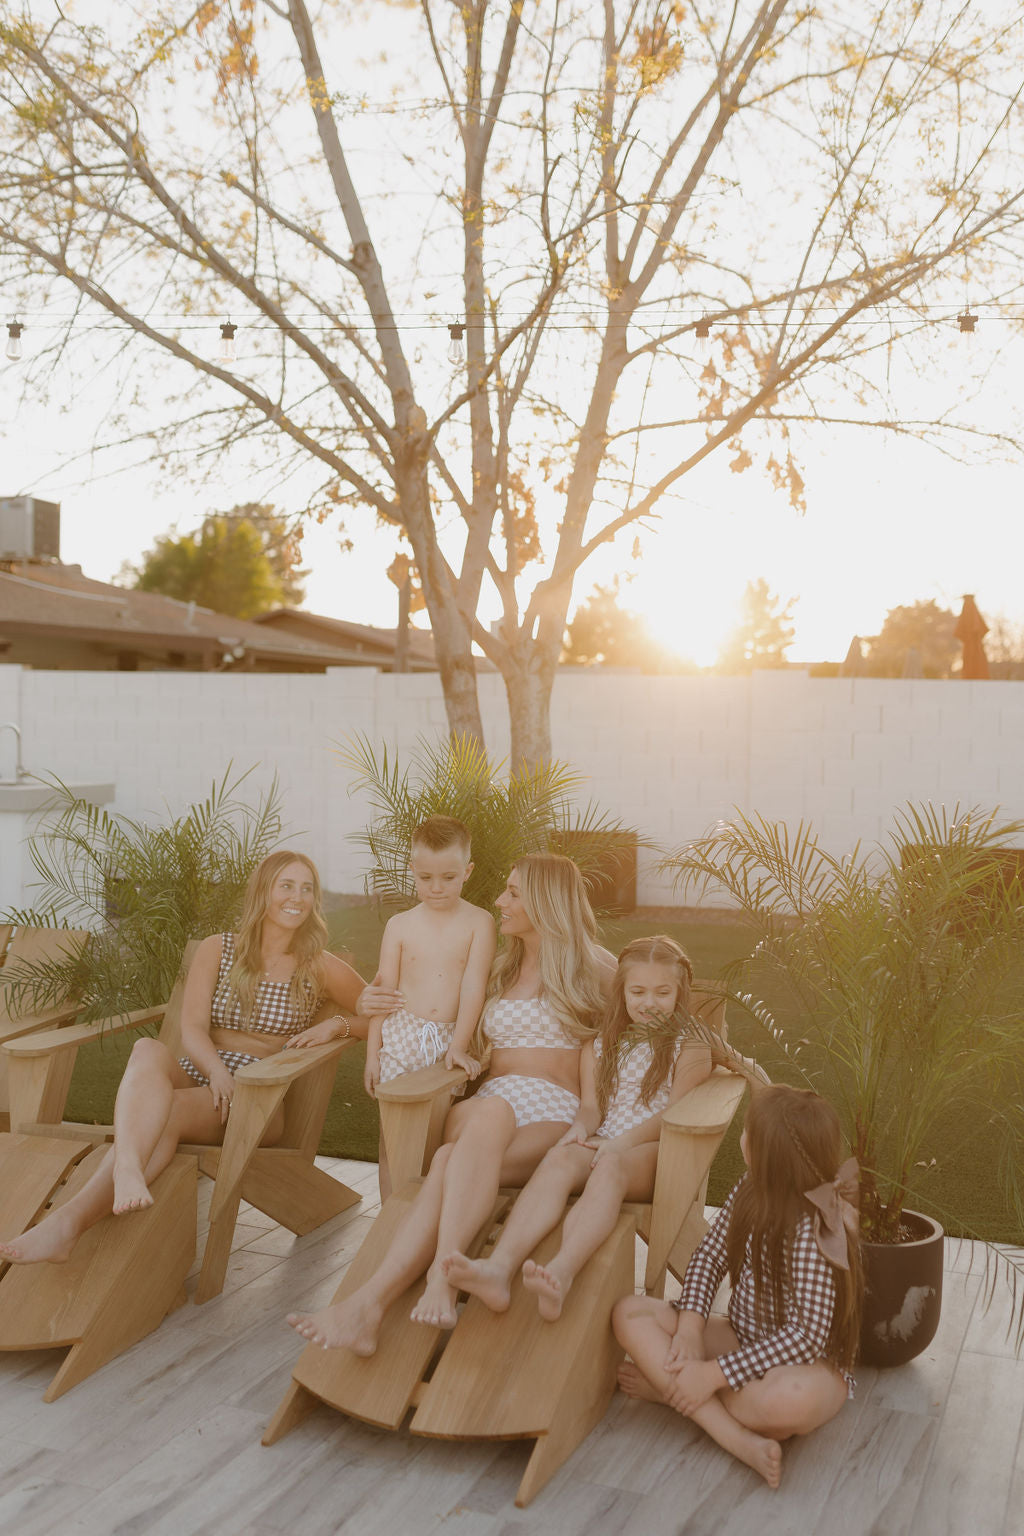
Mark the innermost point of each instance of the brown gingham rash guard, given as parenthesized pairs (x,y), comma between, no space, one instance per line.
(809,1295)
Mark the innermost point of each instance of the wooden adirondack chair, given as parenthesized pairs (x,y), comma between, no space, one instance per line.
(26,947)
(281,1180)
(512,1375)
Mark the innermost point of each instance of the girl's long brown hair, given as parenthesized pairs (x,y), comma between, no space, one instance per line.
(617,1027)
(794,1143)
(307,944)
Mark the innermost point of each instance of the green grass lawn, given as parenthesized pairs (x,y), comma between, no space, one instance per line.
(964,1191)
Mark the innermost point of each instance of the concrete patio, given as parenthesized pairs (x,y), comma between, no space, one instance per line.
(165,1440)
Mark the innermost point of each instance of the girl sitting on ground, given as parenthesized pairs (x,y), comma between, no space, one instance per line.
(787,1236)
(649,1052)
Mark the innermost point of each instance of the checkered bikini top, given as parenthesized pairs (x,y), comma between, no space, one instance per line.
(624,1107)
(514,1022)
(273,1010)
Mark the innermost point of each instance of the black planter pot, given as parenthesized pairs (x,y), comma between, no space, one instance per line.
(902,1295)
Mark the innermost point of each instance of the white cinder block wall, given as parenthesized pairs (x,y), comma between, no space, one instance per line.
(670,755)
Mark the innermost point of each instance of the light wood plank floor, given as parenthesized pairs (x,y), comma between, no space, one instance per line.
(165,1440)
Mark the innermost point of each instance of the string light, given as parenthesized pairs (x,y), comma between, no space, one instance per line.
(456,346)
(967,321)
(228,331)
(702,330)
(13,349)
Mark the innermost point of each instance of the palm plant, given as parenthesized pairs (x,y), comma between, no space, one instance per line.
(530,810)
(904,962)
(143,891)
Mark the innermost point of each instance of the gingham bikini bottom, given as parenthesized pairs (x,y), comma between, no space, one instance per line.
(231,1059)
(532,1099)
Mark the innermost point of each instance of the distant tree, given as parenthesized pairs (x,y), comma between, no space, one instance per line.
(764,633)
(242,562)
(604,632)
(915,640)
(1004,646)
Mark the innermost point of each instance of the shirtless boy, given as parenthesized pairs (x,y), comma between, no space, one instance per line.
(438,957)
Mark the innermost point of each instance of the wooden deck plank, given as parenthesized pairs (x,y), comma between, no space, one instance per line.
(165,1439)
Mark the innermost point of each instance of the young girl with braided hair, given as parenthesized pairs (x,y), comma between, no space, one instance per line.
(787,1237)
(648,1052)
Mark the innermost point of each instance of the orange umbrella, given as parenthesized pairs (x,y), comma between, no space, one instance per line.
(971,630)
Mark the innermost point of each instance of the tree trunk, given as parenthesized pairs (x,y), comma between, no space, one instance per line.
(528,683)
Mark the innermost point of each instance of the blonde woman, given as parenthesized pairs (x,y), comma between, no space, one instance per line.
(544,999)
(247,995)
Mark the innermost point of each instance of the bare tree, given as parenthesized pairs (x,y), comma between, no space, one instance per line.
(602,185)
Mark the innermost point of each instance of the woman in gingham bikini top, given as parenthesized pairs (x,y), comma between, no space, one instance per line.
(162,1100)
(274,1012)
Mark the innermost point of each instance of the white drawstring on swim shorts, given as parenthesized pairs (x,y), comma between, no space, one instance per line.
(431,1043)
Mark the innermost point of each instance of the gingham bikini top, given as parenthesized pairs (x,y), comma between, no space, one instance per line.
(511,1023)
(624,1107)
(273,1009)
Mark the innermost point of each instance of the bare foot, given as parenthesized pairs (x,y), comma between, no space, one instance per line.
(350,1324)
(436,1307)
(131,1192)
(548,1287)
(634,1383)
(50,1242)
(480,1277)
(760,1453)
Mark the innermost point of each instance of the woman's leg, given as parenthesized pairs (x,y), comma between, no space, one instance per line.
(142,1110)
(537,1210)
(472,1177)
(354,1322)
(617,1177)
(189,1117)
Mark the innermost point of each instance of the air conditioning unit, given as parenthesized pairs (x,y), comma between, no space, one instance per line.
(29,528)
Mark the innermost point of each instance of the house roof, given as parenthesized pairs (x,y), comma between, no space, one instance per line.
(51,600)
(363,644)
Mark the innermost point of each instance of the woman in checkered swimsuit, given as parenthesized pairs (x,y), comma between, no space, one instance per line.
(545,996)
(247,995)
(780,1365)
(648,1053)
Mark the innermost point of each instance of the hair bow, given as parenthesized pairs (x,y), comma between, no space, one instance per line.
(835,1213)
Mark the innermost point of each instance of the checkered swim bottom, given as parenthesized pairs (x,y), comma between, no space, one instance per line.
(532,1099)
(409,1042)
(231,1059)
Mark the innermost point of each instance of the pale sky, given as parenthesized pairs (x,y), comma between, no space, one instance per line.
(888,521)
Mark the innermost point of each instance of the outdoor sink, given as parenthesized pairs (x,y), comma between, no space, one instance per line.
(29,795)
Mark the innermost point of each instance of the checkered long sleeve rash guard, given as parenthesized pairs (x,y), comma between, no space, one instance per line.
(799,1337)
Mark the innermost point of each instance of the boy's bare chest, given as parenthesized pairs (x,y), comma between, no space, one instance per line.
(434,952)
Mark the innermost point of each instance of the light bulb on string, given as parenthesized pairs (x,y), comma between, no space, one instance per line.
(228,352)
(966,321)
(702,333)
(13,348)
(456,345)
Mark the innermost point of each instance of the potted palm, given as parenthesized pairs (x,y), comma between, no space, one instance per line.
(532,809)
(902,965)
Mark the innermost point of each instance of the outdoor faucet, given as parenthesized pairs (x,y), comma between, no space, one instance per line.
(19,768)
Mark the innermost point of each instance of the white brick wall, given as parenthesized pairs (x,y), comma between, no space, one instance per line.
(669,754)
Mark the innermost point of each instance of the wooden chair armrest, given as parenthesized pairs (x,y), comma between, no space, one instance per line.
(51,1041)
(26,1023)
(709,1107)
(286,1066)
(425,1083)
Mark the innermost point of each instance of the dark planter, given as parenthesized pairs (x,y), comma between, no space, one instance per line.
(902,1295)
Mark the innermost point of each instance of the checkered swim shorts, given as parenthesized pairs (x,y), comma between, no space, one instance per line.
(532,1099)
(409,1042)
(231,1059)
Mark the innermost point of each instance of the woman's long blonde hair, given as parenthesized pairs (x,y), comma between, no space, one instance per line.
(307,944)
(555,900)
